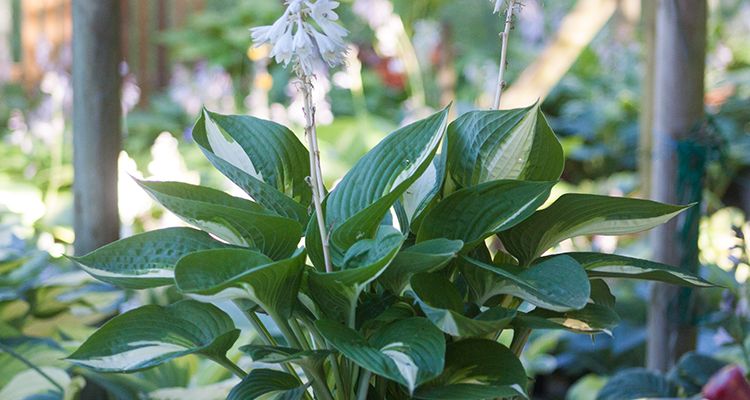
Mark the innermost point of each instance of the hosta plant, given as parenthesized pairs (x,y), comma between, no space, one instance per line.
(398,282)
(438,241)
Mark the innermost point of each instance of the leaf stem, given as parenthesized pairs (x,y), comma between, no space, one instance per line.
(228,364)
(503,54)
(364,384)
(520,338)
(316,175)
(29,364)
(297,331)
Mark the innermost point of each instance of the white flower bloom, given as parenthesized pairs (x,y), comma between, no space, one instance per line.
(294,39)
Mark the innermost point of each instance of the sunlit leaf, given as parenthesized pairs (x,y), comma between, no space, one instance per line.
(616,266)
(237,145)
(358,204)
(489,145)
(583,214)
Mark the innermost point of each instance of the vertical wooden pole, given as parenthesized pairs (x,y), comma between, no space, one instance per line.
(678,109)
(646,122)
(162,67)
(96,121)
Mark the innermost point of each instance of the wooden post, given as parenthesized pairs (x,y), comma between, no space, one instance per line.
(97,123)
(646,120)
(678,109)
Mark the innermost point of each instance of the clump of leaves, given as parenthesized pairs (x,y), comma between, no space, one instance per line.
(417,298)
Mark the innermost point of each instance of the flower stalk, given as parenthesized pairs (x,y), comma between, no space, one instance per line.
(306,33)
(503,50)
(316,174)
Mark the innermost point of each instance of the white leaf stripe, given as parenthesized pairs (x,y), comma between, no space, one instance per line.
(228,149)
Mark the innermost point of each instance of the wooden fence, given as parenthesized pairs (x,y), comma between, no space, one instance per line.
(35,24)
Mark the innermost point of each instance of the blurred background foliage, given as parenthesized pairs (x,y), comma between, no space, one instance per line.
(407,58)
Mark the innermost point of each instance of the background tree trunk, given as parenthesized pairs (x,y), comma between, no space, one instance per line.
(678,111)
(97,116)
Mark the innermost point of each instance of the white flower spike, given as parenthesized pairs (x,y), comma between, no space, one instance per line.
(305,32)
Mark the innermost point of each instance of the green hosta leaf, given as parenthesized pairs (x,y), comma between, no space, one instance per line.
(597,316)
(616,266)
(336,293)
(238,273)
(244,142)
(475,213)
(507,144)
(145,260)
(356,207)
(30,385)
(268,384)
(310,359)
(441,303)
(583,214)
(418,196)
(477,369)
(151,335)
(693,371)
(410,351)
(232,219)
(237,145)
(593,318)
(426,256)
(558,283)
(40,352)
(600,293)
(637,383)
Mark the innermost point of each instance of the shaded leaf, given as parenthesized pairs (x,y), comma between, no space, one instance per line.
(150,335)
(427,256)
(235,220)
(147,259)
(442,305)
(277,355)
(243,273)
(410,351)
(636,383)
(477,212)
(260,383)
(336,293)
(592,318)
(477,369)
(558,283)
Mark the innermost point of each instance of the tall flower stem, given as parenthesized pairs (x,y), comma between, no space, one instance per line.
(503,53)
(316,176)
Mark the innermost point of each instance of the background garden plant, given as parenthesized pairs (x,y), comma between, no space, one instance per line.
(420,274)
